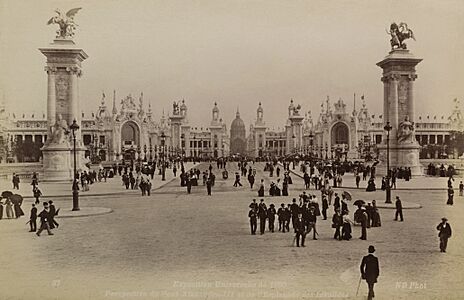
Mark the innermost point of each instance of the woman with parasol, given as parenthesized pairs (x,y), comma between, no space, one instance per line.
(17,201)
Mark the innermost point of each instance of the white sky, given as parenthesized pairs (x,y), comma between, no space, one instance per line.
(234,52)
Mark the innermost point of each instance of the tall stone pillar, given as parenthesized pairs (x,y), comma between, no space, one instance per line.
(399,72)
(412,105)
(64,69)
(51,98)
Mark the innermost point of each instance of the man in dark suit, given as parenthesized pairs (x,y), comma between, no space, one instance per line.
(300,230)
(370,271)
(44,215)
(253,223)
(262,214)
(33,218)
(444,233)
(51,217)
(271,212)
(281,216)
(399,209)
(294,210)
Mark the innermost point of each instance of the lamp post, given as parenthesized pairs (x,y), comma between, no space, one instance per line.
(326,149)
(388,128)
(75,188)
(163,167)
(182,145)
(151,153)
(145,152)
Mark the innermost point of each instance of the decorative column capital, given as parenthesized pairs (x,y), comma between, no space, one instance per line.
(412,77)
(395,77)
(50,70)
(74,70)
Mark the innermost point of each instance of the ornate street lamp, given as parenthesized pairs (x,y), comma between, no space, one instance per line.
(151,152)
(163,167)
(75,188)
(388,128)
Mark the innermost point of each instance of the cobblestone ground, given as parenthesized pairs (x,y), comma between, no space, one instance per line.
(177,246)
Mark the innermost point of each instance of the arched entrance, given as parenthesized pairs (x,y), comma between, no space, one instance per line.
(340,138)
(340,134)
(130,134)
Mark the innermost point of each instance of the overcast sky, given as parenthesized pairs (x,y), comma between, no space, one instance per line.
(234,52)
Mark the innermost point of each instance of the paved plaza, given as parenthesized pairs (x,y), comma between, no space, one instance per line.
(177,246)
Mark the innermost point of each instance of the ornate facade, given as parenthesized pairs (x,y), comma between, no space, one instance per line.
(128,131)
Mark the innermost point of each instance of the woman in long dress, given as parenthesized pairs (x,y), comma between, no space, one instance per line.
(346,229)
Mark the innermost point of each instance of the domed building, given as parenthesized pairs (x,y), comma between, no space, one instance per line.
(237,136)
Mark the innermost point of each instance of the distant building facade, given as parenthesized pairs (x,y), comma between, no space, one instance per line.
(128,131)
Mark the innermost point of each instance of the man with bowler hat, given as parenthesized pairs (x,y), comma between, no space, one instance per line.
(370,271)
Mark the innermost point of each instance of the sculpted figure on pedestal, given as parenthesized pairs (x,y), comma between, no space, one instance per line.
(66,24)
(59,132)
(398,34)
(406,131)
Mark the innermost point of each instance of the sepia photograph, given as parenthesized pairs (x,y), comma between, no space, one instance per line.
(231,149)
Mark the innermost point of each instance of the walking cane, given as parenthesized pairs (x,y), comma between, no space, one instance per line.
(359,283)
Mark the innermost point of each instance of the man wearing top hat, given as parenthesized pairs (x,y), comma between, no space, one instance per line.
(370,270)
(444,233)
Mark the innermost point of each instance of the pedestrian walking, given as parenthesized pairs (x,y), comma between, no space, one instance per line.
(370,271)
(237,180)
(399,209)
(33,219)
(444,233)
(15,180)
(325,206)
(312,219)
(208,185)
(300,231)
(51,217)
(253,220)
(337,223)
(44,223)
(461,189)
(450,196)
(281,216)
(271,212)
(262,214)
(37,194)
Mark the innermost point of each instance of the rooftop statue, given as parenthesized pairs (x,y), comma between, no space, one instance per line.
(398,34)
(66,23)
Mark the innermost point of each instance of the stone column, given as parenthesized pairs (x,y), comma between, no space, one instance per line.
(411,104)
(51,98)
(73,109)
(393,117)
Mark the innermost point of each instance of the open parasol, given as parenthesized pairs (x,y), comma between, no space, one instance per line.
(16,198)
(6,194)
(347,195)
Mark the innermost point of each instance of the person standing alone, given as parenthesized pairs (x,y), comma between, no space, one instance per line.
(444,233)
(399,209)
(370,271)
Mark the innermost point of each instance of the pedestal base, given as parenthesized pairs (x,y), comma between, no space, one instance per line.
(57,163)
(401,155)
